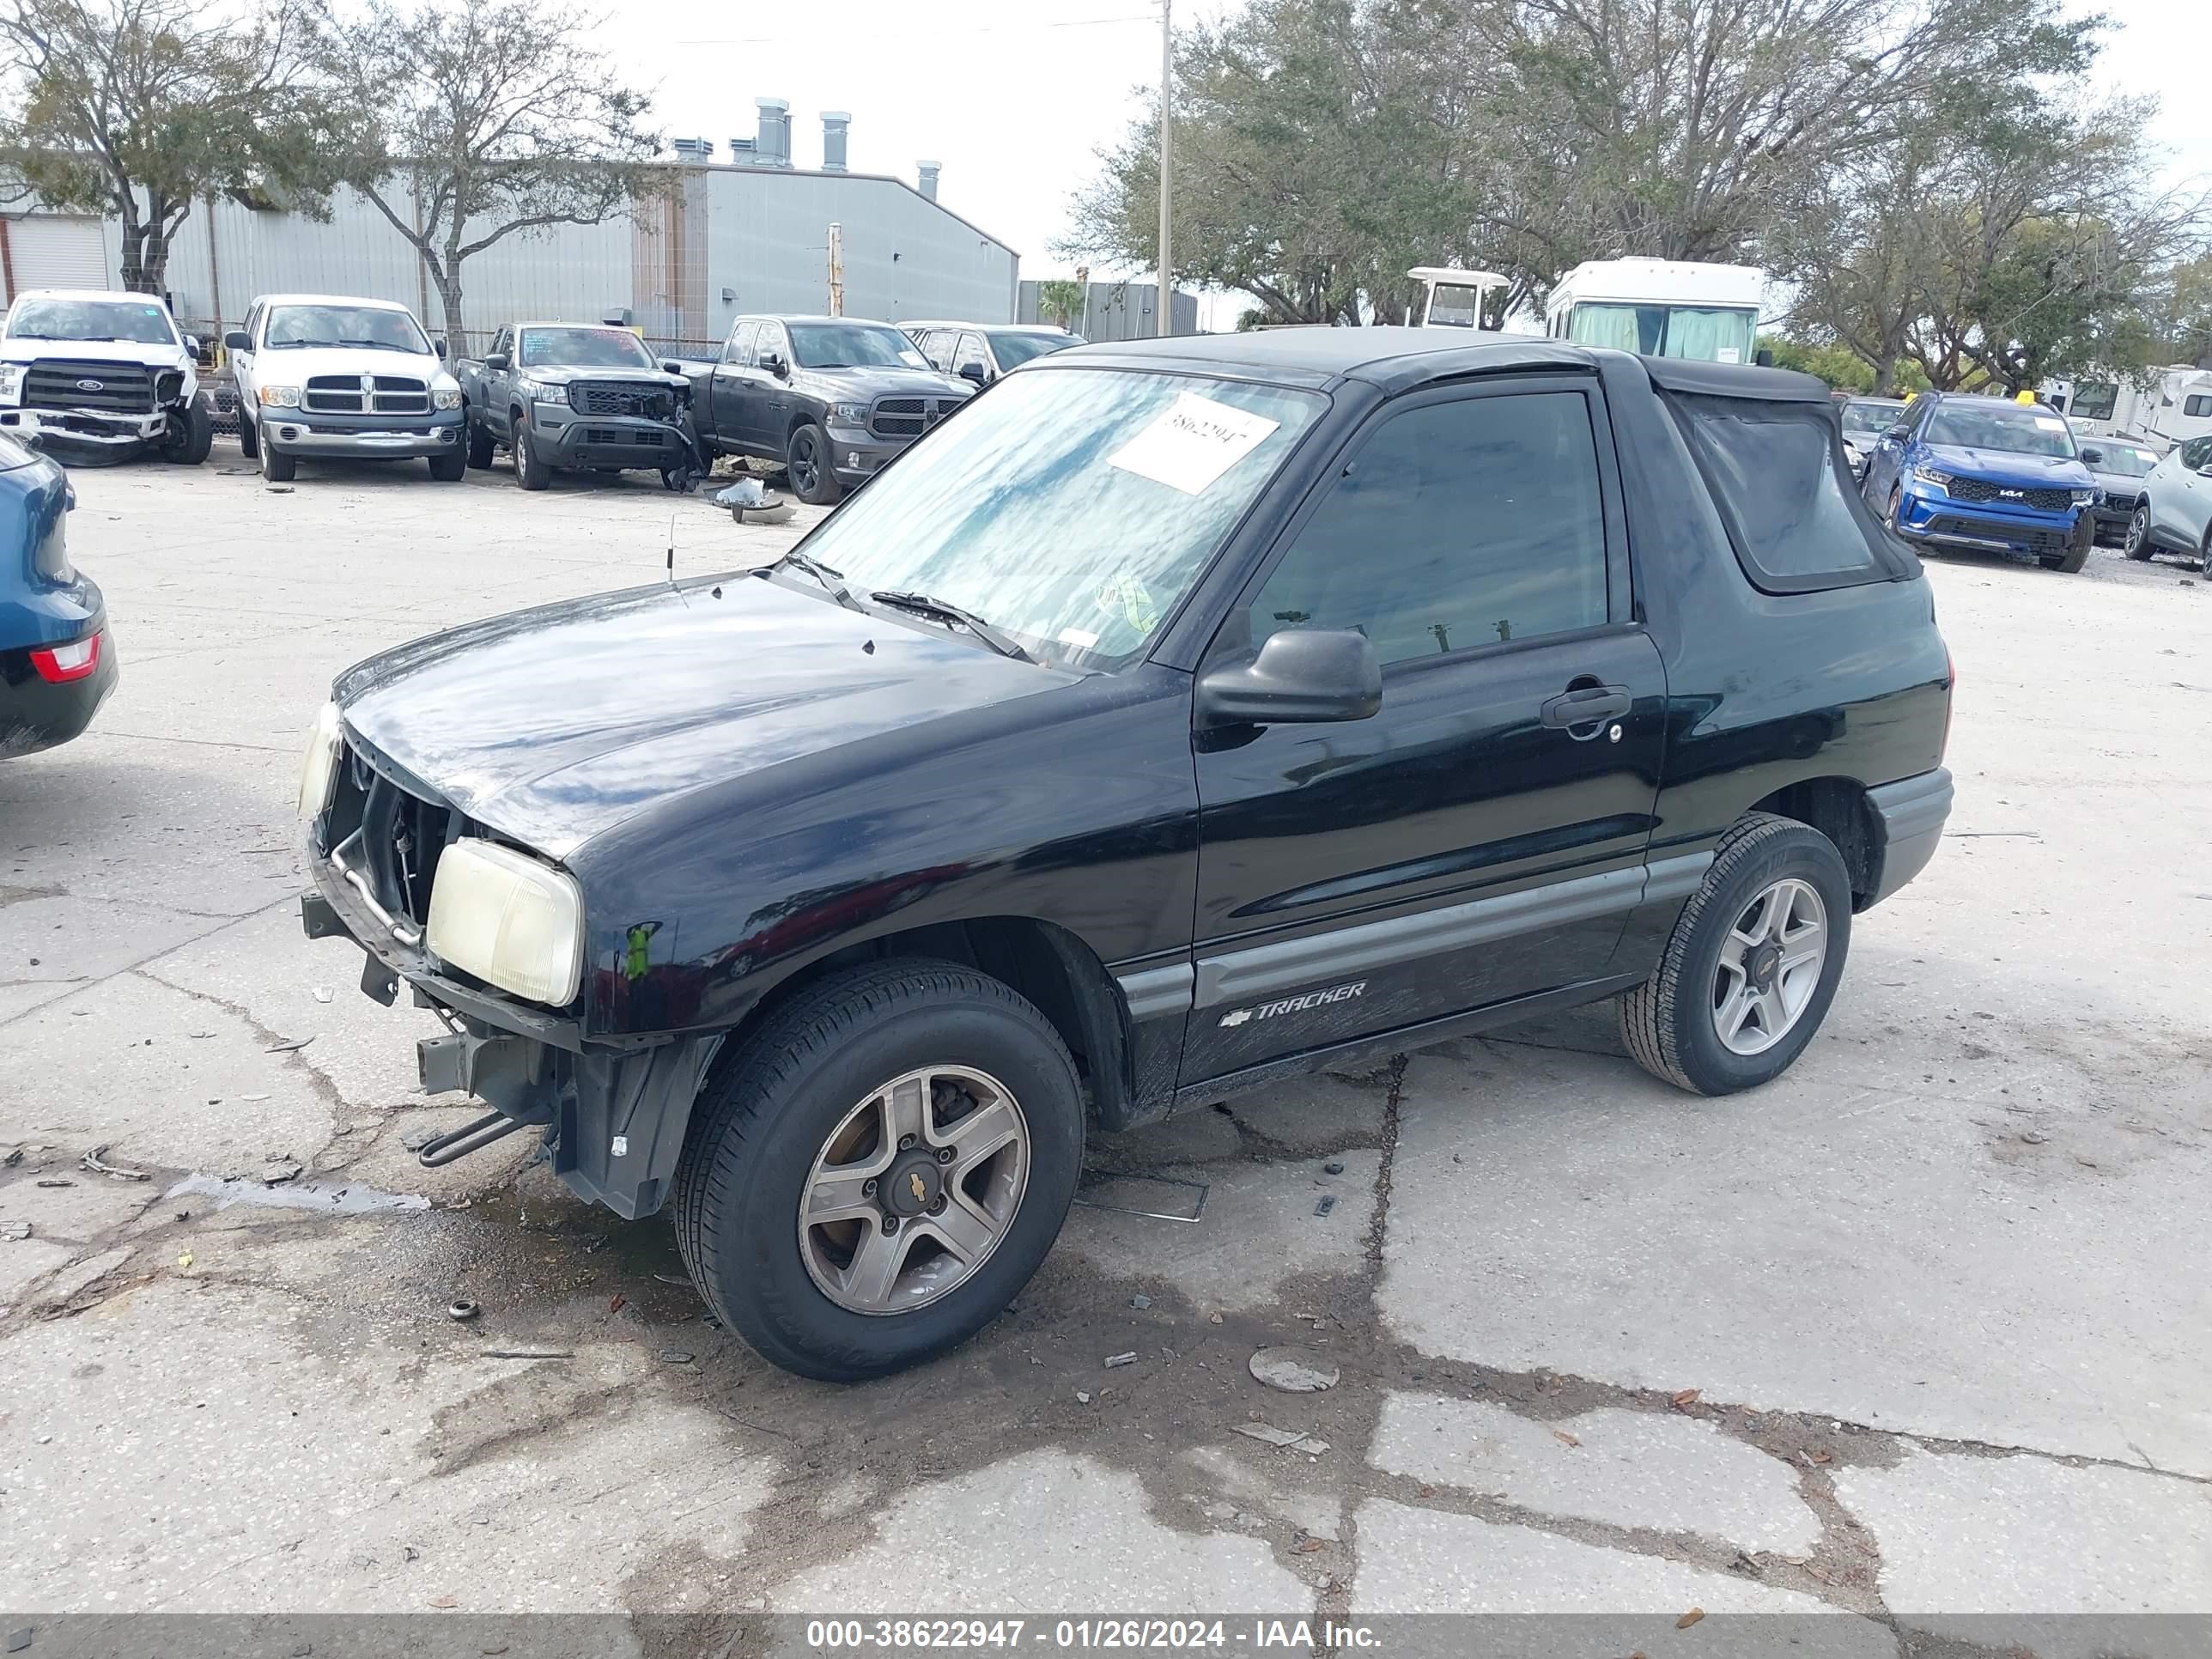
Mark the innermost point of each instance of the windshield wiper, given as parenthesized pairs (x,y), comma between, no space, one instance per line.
(925,605)
(822,573)
(301,345)
(381,345)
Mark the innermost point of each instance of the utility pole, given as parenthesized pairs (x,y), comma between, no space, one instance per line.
(836,270)
(1165,306)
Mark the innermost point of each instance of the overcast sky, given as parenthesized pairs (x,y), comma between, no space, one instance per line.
(1015,97)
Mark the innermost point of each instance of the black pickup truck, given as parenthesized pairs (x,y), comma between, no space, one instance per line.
(1185,715)
(577,397)
(833,400)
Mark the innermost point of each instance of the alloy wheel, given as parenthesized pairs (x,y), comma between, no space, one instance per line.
(914,1189)
(805,464)
(2138,534)
(1770,966)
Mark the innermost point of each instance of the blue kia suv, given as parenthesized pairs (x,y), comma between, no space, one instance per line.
(56,662)
(1986,475)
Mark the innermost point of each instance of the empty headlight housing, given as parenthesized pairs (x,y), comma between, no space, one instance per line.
(2084,497)
(318,770)
(511,920)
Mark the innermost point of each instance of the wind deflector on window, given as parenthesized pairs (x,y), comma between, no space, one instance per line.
(1776,468)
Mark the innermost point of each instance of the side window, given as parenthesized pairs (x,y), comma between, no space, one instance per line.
(1457,524)
(771,342)
(253,323)
(970,350)
(1773,471)
(501,341)
(2198,403)
(2196,452)
(939,349)
(737,351)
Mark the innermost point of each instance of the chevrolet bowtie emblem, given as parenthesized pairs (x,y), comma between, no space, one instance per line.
(920,1192)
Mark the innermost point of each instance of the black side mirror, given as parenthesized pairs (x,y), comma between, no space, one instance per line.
(1301,675)
(1764,359)
(975,372)
(774,364)
(496,360)
(438,346)
(669,366)
(237,340)
(1900,432)
(2092,458)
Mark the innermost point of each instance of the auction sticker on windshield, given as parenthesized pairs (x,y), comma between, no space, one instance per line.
(1193,442)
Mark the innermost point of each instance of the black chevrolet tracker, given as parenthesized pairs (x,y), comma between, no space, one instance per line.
(1185,715)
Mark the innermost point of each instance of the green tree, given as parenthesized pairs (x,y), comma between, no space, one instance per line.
(1062,301)
(138,109)
(485,119)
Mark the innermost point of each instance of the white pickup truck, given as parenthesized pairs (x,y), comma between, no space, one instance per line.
(330,377)
(90,375)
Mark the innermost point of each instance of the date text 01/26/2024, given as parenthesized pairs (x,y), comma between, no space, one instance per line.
(1128,1635)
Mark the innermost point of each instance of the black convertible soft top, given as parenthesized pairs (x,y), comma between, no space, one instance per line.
(1735,381)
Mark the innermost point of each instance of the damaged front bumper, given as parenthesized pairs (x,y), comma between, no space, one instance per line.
(614,1113)
(88,434)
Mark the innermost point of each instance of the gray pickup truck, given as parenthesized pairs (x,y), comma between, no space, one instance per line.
(576,397)
(832,399)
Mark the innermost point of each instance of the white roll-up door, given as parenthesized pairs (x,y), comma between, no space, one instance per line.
(57,250)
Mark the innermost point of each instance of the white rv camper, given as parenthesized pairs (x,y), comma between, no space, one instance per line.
(2172,409)
(1660,308)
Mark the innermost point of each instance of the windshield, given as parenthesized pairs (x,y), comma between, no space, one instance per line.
(1020,348)
(1072,507)
(585,348)
(2125,461)
(1862,418)
(2012,426)
(143,322)
(342,326)
(1454,305)
(852,345)
(1707,334)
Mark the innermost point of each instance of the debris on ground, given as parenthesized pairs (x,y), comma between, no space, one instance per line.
(1334,1166)
(1292,1371)
(674,1356)
(321,993)
(57,1183)
(415,1140)
(14,1157)
(289,1047)
(1140,1303)
(1115,1359)
(1689,1618)
(185,1262)
(462,1309)
(1328,1203)
(95,1161)
(278,1170)
(1686,1397)
(529,1353)
(1564,1438)
(1290,1439)
(15,1230)
(1214,1319)
(1082,1398)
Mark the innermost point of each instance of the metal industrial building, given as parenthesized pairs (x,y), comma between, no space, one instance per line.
(1113,310)
(751,234)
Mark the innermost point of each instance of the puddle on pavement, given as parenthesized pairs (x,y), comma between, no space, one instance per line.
(349,1200)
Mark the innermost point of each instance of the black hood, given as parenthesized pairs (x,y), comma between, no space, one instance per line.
(554,725)
(881,380)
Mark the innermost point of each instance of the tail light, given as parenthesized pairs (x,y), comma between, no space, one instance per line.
(58,665)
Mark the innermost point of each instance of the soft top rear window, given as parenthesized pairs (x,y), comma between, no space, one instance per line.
(1776,472)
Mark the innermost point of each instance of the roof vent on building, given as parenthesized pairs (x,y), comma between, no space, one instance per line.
(697,151)
(773,148)
(926,173)
(833,123)
(742,153)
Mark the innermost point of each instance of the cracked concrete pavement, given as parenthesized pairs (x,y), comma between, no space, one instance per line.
(1914,1340)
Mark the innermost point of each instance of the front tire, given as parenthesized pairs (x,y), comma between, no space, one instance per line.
(449,465)
(530,472)
(190,447)
(480,445)
(275,468)
(2077,552)
(1752,965)
(2137,545)
(806,458)
(248,444)
(875,1173)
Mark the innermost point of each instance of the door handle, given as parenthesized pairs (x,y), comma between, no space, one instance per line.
(1588,705)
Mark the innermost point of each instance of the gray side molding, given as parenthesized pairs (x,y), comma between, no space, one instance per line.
(1262,970)
(1157,990)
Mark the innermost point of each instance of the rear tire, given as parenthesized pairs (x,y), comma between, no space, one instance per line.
(1672,1022)
(275,468)
(771,1122)
(2137,545)
(530,472)
(248,444)
(806,458)
(480,445)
